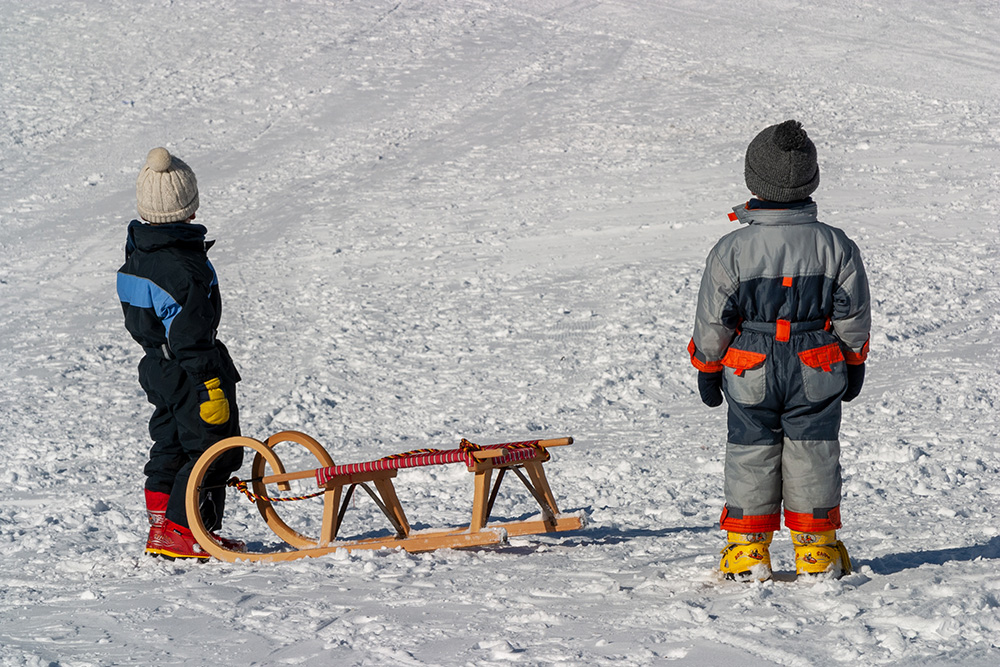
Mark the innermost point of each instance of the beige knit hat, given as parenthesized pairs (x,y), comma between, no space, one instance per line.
(166,189)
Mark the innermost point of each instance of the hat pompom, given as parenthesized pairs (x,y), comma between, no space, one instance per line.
(158,160)
(781,163)
(789,136)
(166,189)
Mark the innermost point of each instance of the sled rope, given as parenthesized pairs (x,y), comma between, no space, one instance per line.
(412,452)
(464,446)
(241,486)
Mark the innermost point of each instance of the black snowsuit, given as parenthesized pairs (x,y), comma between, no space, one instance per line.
(169,293)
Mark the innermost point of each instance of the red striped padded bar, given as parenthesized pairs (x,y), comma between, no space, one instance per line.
(324,475)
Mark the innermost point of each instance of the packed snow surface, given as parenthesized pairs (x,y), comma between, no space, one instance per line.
(487,219)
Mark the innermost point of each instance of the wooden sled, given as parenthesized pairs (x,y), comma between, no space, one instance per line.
(524,459)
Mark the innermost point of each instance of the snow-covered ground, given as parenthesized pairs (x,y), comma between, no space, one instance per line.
(488,219)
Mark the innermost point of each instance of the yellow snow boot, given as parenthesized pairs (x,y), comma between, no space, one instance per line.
(746,557)
(820,553)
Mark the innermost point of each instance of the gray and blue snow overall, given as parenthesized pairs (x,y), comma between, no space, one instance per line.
(783,308)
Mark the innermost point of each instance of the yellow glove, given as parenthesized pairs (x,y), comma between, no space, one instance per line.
(214,406)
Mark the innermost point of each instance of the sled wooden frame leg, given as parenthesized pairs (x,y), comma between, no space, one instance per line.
(267,468)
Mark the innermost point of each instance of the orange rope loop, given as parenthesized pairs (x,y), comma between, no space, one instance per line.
(468,447)
(241,486)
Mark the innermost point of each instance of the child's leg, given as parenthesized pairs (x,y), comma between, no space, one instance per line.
(166,456)
(811,485)
(753,488)
(196,436)
(811,474)
(753,454)
(811,424)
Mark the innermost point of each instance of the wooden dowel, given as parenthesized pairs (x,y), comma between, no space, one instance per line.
(288,476)
(489,454)
(496,451)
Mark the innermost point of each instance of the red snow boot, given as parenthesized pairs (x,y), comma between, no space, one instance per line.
(173,540)
(156,514)
(156,507)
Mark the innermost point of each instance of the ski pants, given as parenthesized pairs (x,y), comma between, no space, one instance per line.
(783,384)
(180,435)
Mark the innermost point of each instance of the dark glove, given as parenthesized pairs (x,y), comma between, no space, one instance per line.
(710,388)
(855,379)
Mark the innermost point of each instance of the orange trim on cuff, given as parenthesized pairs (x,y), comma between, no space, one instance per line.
(733,217)
(810,523)
(857,358)
(760,523)
(703,366)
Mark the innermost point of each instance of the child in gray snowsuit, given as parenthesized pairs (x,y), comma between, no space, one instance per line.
(782,330)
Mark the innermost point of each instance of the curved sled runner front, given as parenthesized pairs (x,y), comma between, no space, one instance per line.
(338,483)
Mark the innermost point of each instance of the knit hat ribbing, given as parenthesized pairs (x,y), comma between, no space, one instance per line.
(781,163)
(166,189)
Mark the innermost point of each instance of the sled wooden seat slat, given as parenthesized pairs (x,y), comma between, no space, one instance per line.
(337,484)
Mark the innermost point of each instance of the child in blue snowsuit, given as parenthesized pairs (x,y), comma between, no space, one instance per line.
(169,293)
(782,330)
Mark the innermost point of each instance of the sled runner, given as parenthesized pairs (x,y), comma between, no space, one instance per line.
(337,484)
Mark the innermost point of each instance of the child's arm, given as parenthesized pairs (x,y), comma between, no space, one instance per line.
(852,317)
(715,318)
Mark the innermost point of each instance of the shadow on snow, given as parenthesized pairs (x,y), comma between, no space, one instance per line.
(893,563)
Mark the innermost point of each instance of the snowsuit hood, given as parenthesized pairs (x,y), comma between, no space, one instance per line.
(150,238)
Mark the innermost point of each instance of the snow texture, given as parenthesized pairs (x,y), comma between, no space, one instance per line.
(488,219)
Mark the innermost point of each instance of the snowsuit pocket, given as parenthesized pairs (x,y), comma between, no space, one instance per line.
(824,373)
(745,381)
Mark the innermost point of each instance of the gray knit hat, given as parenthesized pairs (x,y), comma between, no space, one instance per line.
(166,189)
(781,163)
